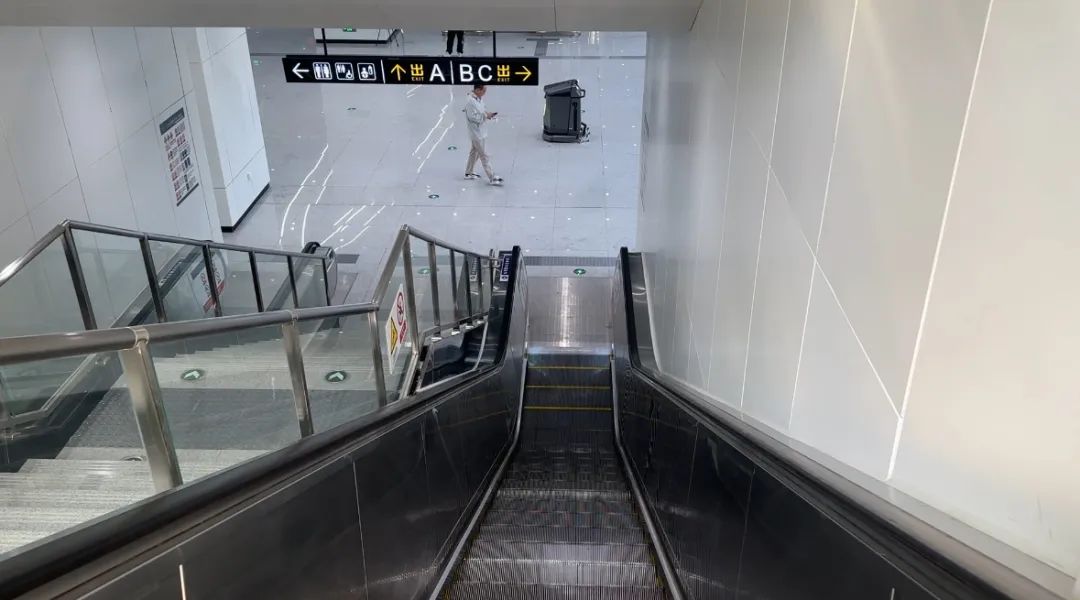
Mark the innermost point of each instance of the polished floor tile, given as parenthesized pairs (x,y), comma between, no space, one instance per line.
(351,164)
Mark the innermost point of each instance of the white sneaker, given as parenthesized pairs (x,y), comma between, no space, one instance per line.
(496,180)
(472,176)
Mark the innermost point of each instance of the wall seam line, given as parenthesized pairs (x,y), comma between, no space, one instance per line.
(67,133)
(727,191)
(937,249)
(855,334)
(821,220)
(119,142)
(764,203)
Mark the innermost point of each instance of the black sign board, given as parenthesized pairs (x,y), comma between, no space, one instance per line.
(411,70)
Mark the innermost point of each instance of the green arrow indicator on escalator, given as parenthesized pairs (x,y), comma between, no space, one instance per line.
(193,375)
(336,376)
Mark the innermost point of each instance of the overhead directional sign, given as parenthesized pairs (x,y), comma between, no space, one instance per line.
(411,70)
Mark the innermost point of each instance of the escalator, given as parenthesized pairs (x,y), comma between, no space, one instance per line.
(563,523)
(496,436)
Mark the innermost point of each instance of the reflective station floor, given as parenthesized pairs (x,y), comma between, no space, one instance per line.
(351,164)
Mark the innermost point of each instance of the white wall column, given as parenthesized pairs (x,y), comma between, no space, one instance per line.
(217,65)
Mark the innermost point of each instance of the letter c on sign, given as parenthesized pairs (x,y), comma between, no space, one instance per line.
(484,71)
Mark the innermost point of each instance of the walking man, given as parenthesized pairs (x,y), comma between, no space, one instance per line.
(477,116)
(450,35)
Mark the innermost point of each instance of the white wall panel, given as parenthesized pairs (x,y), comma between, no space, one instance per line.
(731,17)
(67,203)
(780,300)
(16,240)
(840,406)
(908,84)
(997,371)
(738,263)
(80,137)
(81,92)
(125,82)
(13,207)
(979,420)
(31,117)
(162,72)
(105,189)
(814,60)
(759,77)
(150,189)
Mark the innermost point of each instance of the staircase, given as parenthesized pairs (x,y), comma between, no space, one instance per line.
(49,495)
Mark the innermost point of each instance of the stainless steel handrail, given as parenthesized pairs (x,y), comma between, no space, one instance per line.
(59,345)
(133,343)
(58,232)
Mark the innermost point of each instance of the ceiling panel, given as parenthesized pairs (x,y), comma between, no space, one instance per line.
(503,15)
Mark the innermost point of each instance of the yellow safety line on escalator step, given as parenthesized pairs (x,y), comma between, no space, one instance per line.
(572,408)
(568,387)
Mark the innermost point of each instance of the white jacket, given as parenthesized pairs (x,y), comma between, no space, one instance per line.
(476,116)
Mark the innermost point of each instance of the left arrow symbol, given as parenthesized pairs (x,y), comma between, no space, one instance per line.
(299,72)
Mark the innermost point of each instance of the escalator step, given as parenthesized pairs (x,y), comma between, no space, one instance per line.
(557,572)
(596,519)
(609,553)
(502,591)
(565,359)
(562,535)
(570,502)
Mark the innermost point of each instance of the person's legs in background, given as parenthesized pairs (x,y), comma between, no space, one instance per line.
(470,165)
(450,35)
(480,147)
(479,152)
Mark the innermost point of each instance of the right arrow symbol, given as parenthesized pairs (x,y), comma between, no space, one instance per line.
(526,72)
(299,72)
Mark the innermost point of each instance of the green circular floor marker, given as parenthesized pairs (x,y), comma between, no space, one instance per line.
(193,375)
(424,270)
(451,147)
(336,376)
(579,271)
(433,196)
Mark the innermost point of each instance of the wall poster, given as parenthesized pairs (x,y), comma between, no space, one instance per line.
(180,155)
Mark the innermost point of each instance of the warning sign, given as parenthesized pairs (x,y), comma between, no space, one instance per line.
(397,327)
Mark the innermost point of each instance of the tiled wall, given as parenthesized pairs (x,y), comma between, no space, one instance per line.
(860,222)
(79,115)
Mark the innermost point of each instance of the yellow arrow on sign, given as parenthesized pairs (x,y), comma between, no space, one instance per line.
(398,70)
(526,72)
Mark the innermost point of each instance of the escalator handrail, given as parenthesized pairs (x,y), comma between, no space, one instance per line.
(49,559)
(901,532)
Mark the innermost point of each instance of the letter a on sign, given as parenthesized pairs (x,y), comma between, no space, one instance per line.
(397,327)
(437,74)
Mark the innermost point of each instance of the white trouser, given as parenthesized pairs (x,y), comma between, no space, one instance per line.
(478,152)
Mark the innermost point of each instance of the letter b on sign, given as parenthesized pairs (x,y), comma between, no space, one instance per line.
(465,73)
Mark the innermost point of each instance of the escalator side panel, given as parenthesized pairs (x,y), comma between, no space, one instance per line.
(392,490)
(732,527)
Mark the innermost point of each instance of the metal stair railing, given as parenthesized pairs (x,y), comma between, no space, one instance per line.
(149,301)
(134,343)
